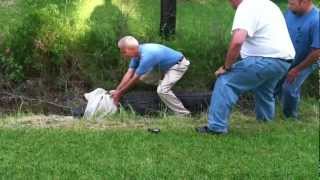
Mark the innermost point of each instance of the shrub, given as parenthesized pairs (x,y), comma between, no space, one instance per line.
(76,39)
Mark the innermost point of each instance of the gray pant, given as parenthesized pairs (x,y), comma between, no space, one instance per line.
(171,77)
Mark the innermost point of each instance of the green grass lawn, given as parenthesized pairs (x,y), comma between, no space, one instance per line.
(119,147)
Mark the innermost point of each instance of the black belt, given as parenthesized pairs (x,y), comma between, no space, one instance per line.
(284,60)
(288,61)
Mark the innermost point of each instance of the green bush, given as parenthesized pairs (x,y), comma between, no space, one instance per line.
(39,43)
(76,39)
(10,70)
(55,42)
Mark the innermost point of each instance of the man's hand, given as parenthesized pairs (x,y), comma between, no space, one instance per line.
(220,71)
(292,75)
(112,91)
(119,92)
(116,95)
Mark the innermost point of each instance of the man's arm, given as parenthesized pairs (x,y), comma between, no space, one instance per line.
(129,74)
(238,38)
(146,62)
(129,84)
(313,56)
(124,88)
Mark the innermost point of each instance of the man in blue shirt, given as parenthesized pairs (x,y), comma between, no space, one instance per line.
(302,19)
(149,63)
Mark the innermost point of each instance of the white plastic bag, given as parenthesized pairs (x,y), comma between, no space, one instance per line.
(100,104)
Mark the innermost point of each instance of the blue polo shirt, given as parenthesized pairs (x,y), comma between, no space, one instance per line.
(304,31)
(154,56)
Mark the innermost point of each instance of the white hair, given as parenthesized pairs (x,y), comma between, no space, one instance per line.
(128,41)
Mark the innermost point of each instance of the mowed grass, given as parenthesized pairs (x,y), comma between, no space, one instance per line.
(120,147)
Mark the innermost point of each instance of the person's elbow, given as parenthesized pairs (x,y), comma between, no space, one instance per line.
(239,37)
(130,72)
(236,44)
(136,77)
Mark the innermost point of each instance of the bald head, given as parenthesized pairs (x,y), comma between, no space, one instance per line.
(128,41)
(129,46)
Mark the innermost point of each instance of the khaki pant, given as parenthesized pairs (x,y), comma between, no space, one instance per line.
(170,78)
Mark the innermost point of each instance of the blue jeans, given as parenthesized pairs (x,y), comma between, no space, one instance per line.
(256,74)
(290,93)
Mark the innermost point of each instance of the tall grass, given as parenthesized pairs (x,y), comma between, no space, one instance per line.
(76,39)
